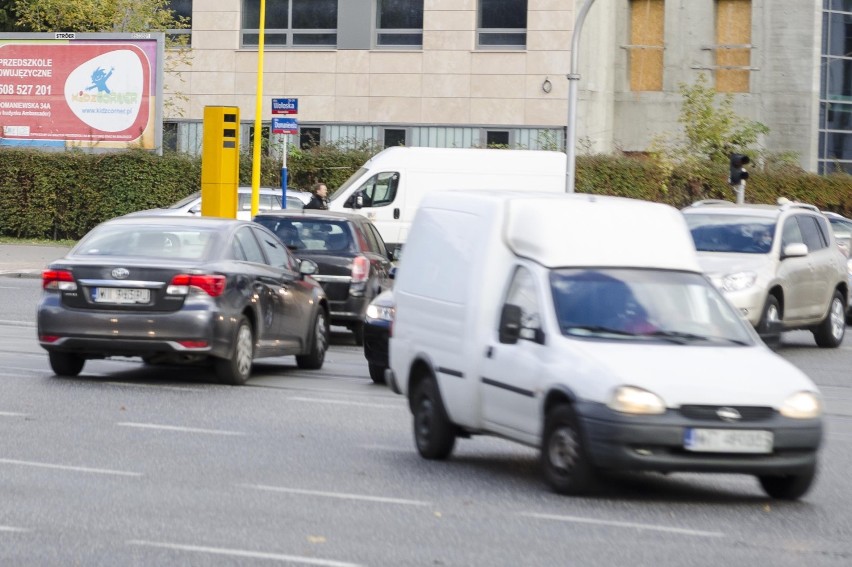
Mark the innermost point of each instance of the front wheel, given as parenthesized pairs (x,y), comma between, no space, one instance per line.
(563,454)
(237,369)
(319,344)
(66,364)
(434,433)
(788,487)
(830,332)
(769,327)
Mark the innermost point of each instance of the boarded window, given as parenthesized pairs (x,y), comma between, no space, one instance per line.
(733,49)
(646,44)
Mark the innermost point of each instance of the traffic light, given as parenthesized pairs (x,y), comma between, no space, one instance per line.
(738,173)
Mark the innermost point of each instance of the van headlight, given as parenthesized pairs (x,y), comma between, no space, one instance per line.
(630,399)
(381,312)
(738,281)
(802,405)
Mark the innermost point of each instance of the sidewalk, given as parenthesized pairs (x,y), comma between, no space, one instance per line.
(27,260)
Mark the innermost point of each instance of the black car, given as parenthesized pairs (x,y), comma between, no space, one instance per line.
(353,261)
(182,290)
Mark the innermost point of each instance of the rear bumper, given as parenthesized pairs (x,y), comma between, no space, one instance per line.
(348,311)
(656,443)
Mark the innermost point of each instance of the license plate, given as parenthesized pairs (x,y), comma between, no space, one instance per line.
(727,440)
(120,295)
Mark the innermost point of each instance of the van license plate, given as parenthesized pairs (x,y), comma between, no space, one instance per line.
(120,295)
(727,441)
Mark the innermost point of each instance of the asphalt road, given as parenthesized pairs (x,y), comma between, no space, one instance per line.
(132,465)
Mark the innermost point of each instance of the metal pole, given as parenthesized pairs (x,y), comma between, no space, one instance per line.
(258,110)
(573,79)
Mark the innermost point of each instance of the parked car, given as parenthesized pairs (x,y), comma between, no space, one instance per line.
(269,199)
(182,290)
(353,261)
(377,325)
(778,264)
(842,228)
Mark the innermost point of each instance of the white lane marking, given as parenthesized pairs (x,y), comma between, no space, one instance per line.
(13,529)
(343,403)
(16,323)
(616,524)
(243,553)
(67,468)
(158,386)
(178,428)
(341,495)
(386,448)
(13,414)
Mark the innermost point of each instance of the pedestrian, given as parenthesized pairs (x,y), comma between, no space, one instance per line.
(319,199)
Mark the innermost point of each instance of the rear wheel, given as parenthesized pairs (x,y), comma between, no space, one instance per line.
(830,332)
(66,364)
(319,344)
(237,369)
(434,433)
(788,487)
(377,373)
(564,460)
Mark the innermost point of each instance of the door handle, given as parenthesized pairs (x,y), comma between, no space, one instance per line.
(396,213)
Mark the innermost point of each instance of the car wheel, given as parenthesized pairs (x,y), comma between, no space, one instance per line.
(237,369)
(434,433)
(66,364)
(769,327)
(319,345)
(830,332)
(358,333)
(377,373)
(564,460)
(788,487)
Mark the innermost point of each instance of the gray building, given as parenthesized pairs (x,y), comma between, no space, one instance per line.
(462,73)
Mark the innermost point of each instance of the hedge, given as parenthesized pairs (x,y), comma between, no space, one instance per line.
(63,195)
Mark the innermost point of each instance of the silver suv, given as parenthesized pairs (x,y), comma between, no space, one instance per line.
(778,264)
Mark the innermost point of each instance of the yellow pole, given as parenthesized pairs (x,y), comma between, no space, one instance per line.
(258,113)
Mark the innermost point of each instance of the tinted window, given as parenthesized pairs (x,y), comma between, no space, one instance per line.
(316,235)
(275,251)
(813,236)
(251,249)
(153,242)
(731,233)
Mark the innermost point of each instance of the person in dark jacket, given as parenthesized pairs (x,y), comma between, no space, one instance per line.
(319,199)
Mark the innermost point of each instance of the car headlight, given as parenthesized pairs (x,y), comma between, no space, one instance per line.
(802,405)
(382,312)
(738,281)
(630,399)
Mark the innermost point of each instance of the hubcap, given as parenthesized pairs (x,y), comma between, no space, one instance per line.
(424,420)
(838,321)
(772,314)
(563,449)
(322,337)
(244,350)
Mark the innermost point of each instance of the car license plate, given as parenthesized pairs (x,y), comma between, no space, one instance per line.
(727,440)
(120,295)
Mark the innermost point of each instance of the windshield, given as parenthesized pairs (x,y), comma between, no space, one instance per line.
(731,233)
(185,201)
(349,182)
(644,304)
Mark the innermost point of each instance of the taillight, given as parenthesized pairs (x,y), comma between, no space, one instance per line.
(212,285)
(193,344)
(360,269)
(49,338)
(58,279)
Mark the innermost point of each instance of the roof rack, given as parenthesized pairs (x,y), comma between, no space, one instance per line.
(786,203)
(705,202)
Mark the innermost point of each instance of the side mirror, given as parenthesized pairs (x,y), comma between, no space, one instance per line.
(795,250)
(308,267)
(510,324)
(355,201)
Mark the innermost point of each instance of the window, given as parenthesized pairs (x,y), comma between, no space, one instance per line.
(815,239)
(399,23)
(380,189)
(394,137)
(496,138)
(502,24)
(522,292)
(733,45)
(182,12)
(646,44)
(835,135)
(309,137)
(291,23)
(275,251)
(380,243)
(246,247)
(792,233)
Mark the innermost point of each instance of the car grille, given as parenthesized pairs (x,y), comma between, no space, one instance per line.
(708,413)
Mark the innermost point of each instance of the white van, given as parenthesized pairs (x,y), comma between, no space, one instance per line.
(582,325)
(388,188)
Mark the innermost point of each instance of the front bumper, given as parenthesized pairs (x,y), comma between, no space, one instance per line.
(656,443)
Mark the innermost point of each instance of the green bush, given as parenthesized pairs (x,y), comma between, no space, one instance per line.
(62,195)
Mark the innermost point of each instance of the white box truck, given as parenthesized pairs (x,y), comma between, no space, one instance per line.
(583,326)
(388,188)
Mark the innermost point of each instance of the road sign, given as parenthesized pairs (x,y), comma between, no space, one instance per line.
(285,126)
(285,106)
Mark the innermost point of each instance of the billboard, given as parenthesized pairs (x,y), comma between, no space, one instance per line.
(91,90)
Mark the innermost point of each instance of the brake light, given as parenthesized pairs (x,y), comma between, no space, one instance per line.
(62,280)
(212,285)
(360,269)
(49,338)
(193,344)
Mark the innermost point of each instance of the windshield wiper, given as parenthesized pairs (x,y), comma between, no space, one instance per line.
(598,329)
(683,338)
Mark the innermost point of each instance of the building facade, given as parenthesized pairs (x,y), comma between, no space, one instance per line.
(462,73)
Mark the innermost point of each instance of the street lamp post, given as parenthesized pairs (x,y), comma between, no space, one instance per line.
(573,79)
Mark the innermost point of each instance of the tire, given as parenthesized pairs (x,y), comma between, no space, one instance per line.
(788,487)
(66,364)
(564,459)
(358,333)
(377,373)
(771,317)
(434,433)
(830,332)
(319,344)
(236,369)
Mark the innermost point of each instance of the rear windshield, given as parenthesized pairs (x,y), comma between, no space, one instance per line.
(167,242)
(731,233)
(315,235)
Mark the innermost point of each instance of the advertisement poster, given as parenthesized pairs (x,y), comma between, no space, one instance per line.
(90,90)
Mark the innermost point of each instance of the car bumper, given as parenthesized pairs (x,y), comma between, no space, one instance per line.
(749,303)
(348,311)
(376,338)
(656,443)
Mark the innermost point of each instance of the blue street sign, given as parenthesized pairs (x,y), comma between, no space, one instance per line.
(285,106)
(285,126)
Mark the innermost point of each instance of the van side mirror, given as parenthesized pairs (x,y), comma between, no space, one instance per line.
(795,250)
(510,324)
(355,201)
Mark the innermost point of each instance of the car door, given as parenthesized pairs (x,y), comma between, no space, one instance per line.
(823,266)
(511,373)
(795,273)
(295,294)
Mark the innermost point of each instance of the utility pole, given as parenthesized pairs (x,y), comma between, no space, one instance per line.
(573,79)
